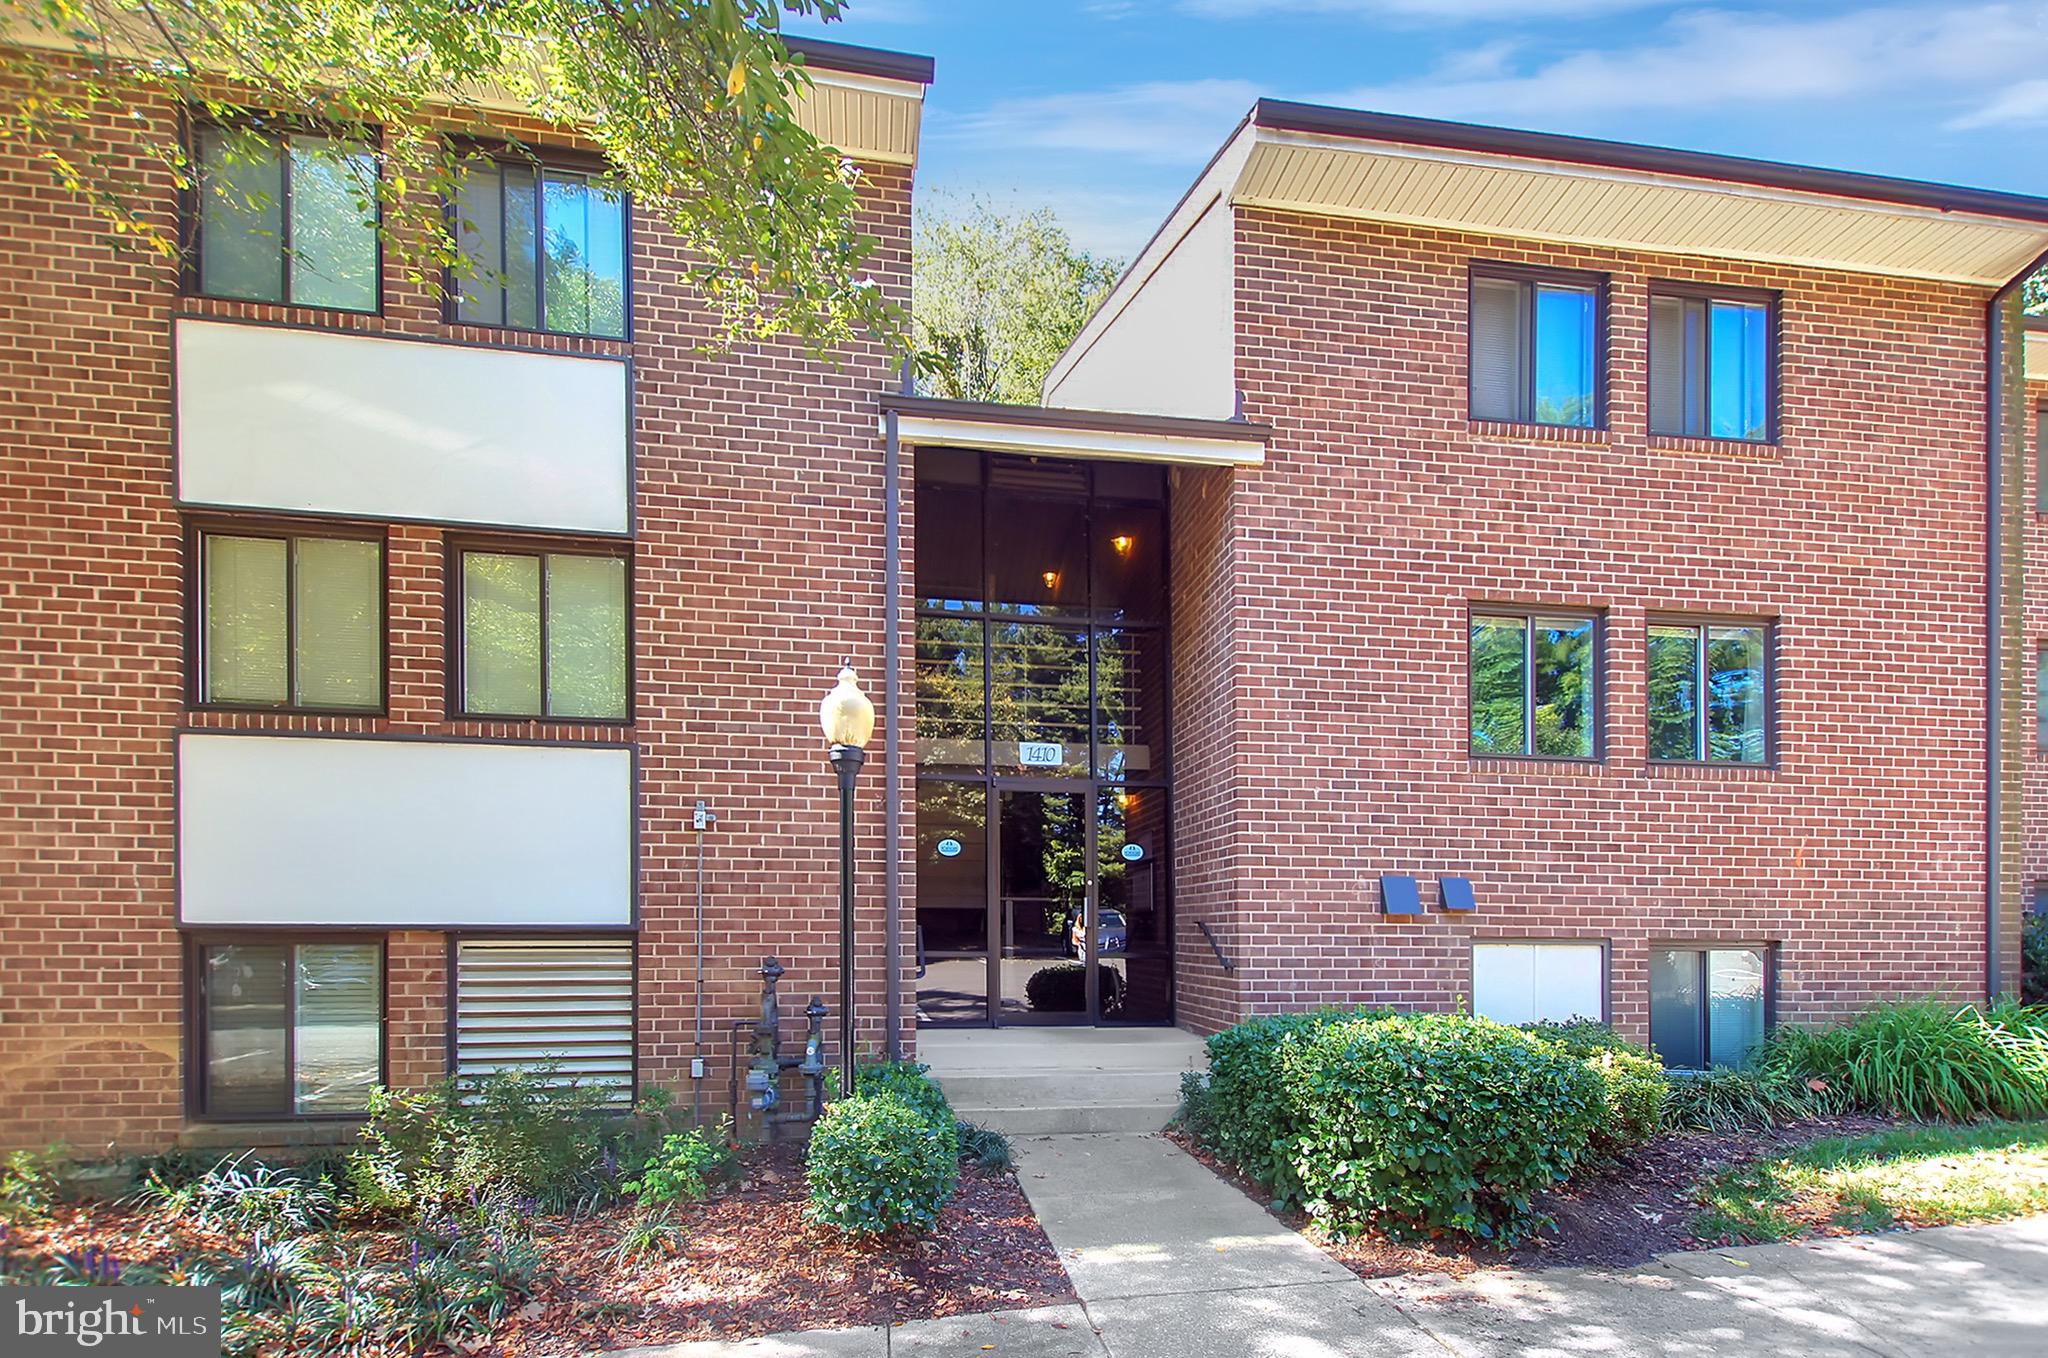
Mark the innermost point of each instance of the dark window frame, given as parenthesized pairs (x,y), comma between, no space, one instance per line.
(2040,696)
(1530,277)
(196,1032)
(1701,622)
(1769,953)
(1773,303)
(1528,613)
(280,129)
(456,649)
(539,160)
(289,531)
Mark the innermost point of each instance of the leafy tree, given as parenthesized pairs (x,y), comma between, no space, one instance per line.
(997,297)
(2036,294)
(690,100)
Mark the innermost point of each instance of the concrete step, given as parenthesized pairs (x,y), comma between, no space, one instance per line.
(1070,1121)
(1039,1089)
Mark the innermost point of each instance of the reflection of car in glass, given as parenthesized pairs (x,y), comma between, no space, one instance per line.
(1113,934)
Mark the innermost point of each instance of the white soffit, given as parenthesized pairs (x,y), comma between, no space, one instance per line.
(1040,440)
(1626,209)
(307,830)
(329,422)
(863,116)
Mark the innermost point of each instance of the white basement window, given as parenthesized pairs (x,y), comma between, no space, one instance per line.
(1538,982)
(564,1006)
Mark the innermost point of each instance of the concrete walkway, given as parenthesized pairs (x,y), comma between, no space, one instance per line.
(1171,1262)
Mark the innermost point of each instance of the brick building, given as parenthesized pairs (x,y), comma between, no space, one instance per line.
(1453,566)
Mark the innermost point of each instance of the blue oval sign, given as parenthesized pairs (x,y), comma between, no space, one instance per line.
(1133,852)
(949,848)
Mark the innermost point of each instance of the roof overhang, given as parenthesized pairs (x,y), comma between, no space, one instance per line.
(2037,348)
(1581,191)
(1041,431)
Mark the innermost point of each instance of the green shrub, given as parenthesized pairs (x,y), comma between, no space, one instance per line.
(244,1195)
(32,1184)
(510,1134)
(1434,1124)
(1742,1100)
(1635,1081)
(1925,1059)
(910,1083)
(876,1164)
(985,1146)
(685,1167)
(1241,1112)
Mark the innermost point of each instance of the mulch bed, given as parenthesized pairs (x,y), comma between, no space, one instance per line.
(1627,1213)
(750,1264)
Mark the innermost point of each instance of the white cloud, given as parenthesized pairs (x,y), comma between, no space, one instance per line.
(1714,59)
(1162,121)
(2021,105)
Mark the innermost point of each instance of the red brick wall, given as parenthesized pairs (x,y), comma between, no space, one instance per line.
(2034,856)
(1381,512)
(757,568)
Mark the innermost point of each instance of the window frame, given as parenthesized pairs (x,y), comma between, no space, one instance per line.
(2040,457)
(196,1032)
(539,159)
(456,647)
(1704,947)
(1700,622)
(1529,613)
(199,527)
(1604,943)
(1773,303)
(1530,277)
(280,129)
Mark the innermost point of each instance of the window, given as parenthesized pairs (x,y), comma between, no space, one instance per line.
(1712,365)
(1709,692)
(1539,982)
(2041,697)
(563,1004)
(546,249)
(286,218)
(543,634)
(1535,348)
(1707,1005)
(1533,685)
(288,1029)
(289,621)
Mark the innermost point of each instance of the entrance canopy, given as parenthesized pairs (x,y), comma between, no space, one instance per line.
(1041,432)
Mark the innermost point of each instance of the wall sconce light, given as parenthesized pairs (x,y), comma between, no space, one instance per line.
(1123,542)
(1052,579)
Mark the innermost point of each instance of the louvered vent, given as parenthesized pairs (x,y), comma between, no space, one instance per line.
(566,1005)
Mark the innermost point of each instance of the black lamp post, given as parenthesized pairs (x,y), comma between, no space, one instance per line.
(848,719)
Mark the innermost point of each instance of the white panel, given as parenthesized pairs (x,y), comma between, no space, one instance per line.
(561,1004)
(318,421)
(1171,348)
(1533,982)
(291,830)
(2037,356)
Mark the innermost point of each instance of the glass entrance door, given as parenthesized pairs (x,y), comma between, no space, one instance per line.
(1044,887)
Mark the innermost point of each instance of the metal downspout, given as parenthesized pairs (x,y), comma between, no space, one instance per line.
(892,727)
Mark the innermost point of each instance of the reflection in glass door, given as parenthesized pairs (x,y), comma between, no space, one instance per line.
(1042,893)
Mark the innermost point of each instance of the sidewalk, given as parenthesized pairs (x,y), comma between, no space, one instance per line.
(1170,1262)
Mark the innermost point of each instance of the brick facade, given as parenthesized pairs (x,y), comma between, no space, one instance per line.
(757,568)
(1347,564)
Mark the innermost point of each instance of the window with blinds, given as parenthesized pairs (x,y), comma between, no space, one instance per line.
(544,248)
(563,1006)
(1535,349)
(1712,366)
(286,218)
(290,622)
(543,635)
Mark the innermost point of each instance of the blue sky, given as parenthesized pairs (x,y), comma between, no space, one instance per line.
(1106,109)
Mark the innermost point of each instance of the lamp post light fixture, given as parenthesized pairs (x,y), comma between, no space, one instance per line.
(848,719)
